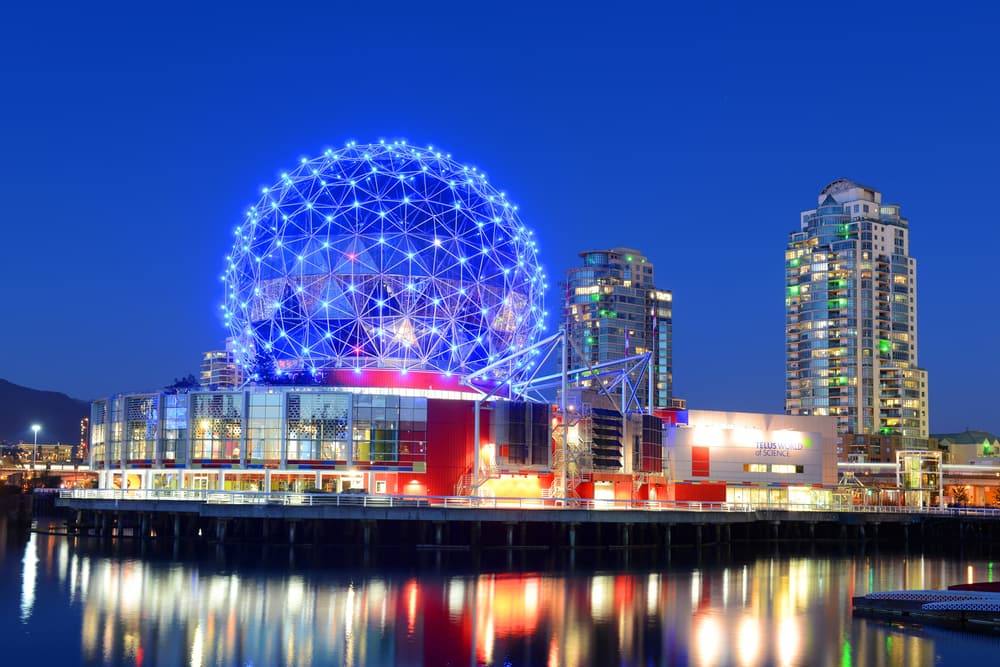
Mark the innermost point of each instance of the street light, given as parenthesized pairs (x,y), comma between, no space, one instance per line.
(34,450)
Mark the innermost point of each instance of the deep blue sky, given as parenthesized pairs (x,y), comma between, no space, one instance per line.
(133,139)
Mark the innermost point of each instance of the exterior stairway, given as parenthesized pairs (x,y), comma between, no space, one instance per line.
(467,486)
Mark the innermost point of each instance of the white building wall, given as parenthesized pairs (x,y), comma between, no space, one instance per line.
(737,439)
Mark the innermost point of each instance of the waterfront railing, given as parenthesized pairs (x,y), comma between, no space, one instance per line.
(482,502)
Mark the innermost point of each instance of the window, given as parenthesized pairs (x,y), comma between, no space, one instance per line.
(754,467)
(316,427)
(264,428)
(175,428)
(786,469)
(380,486)
(217,426)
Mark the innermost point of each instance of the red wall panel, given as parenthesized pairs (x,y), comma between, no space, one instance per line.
(450,432)
(700,461)
(706,492)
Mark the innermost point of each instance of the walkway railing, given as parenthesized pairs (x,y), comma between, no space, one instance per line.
(382,500)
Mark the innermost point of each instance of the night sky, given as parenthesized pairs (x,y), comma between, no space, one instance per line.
(133,140)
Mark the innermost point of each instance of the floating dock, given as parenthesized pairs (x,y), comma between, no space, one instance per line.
(965,607)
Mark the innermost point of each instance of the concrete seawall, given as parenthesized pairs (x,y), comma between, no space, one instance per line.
(429,526)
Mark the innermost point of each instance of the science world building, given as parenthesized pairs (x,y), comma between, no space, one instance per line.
(362,289)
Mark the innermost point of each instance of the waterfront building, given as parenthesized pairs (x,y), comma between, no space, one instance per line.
(376,430)
(969,446)
(82,452)
(362,292)
(614,310)
(873,447)
(45,453)
(751,458)
(851,319)
(219,368)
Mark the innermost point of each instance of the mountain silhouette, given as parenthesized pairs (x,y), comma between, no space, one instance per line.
(58,414)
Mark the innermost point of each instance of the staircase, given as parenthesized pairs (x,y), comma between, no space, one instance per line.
(638,480)
(580,462)
(466,485)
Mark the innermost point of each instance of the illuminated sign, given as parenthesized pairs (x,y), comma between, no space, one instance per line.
(773,448)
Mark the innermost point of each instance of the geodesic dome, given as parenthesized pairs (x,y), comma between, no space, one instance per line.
(383,256)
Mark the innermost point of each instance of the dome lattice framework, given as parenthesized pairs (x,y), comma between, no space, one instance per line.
(383,256)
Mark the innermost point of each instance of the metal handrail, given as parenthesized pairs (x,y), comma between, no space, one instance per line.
(386,500)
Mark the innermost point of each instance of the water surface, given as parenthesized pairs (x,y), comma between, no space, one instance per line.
(66,600)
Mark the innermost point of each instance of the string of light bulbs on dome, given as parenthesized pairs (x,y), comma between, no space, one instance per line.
(383,256)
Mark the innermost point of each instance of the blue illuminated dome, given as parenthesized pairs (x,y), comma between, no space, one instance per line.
(383,256)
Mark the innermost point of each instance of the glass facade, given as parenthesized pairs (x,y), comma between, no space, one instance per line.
(175,428)
(650,457)
(521,434)
(116,428)
(615,311)
(850,324)
(337,439)
(98,431)
(142,427)
(217,426)
(386,427)
(262,428)
(317,427)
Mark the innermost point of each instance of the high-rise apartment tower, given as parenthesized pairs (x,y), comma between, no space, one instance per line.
(219,368)
(851,321)
(614,310)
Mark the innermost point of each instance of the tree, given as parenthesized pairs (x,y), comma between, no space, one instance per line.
(960,495)
(185,383)
(994,497)
(264,370)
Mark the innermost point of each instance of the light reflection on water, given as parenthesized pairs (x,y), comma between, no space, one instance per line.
(759,611)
